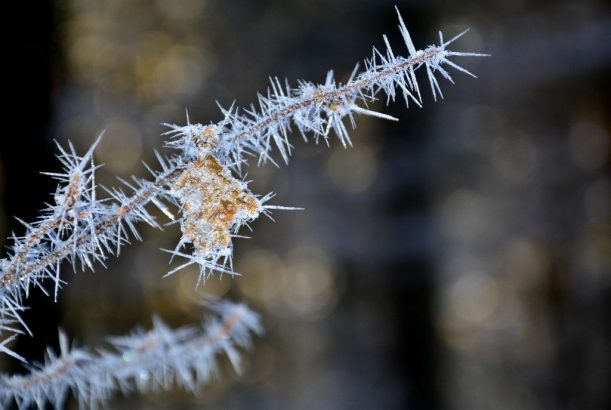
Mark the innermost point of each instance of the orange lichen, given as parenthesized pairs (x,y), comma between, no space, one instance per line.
(209,132)
(206,139)
(214,201)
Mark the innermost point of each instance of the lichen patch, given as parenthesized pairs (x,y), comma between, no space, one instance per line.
(214,204)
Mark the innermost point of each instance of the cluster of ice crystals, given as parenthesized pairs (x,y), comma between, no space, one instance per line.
(318,109)
(201,184)
(143,361)
(214,206)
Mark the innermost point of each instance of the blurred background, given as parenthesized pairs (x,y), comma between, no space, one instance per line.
(458,259)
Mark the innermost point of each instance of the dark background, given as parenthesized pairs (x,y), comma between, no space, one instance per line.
(458,259)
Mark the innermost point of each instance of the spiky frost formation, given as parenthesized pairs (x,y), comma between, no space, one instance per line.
(76,226)
(213,203)
(143,362)
(316,109)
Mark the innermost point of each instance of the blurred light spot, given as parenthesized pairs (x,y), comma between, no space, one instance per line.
(473,298)
(263,275)
(81,55)
(523,263)
(468,304)
(589,145)
(182,11)
(353,169)
(459,263)
(465,215)
(121,147)
(181,70)
(310,289)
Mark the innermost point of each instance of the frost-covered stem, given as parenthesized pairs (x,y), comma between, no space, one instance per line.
(16,270)
(34,237)
(326,96)
(154,360)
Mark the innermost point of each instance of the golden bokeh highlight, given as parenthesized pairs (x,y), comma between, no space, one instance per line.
(353,169)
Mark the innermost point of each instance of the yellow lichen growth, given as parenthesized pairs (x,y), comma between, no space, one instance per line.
(207,139)
(334,106)
(213,202)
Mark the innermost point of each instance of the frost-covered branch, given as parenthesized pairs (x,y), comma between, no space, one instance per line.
(318,109)
(200,178)
(142,362)
(77,227)
(312,109)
